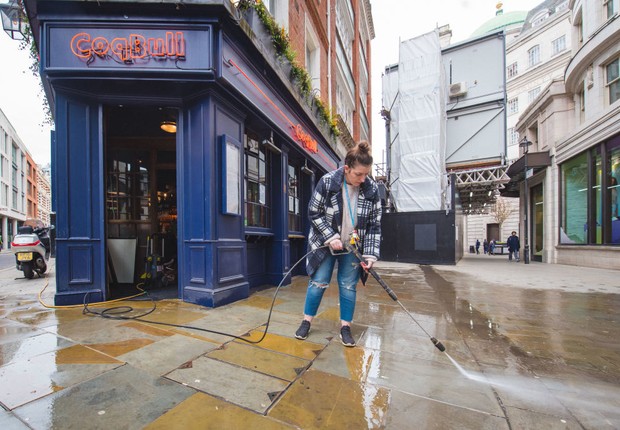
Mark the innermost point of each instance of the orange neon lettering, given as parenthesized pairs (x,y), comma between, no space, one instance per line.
(120,48)
(180,44)
(136,46)
(157,47)
(80,45)
(306,140)
(100,46)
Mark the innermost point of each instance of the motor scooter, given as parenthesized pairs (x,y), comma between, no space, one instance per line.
(31,246)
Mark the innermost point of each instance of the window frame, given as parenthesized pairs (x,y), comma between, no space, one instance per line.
(613,83)
(512,106)
(512,70)
(533,56)
(294,197)
(610,8)
(590,216)
(555,49)
(253,150)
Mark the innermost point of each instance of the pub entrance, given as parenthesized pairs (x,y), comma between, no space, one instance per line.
(141,198)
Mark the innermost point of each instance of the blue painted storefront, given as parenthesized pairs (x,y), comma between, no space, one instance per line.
(198,60)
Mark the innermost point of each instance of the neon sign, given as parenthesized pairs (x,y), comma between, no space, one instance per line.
(306,140)
(128,49)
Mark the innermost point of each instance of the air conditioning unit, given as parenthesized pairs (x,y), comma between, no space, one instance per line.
(458,89)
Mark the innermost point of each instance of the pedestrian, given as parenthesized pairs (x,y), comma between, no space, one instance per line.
(485,246)
(513,246)
(477,246)
(345,204)
(492,247)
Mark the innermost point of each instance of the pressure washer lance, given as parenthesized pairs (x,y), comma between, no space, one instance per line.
(353,248)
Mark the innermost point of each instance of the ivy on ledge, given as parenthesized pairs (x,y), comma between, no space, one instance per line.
(299,74)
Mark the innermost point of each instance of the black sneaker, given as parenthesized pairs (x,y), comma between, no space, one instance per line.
(346,337)
(303,330)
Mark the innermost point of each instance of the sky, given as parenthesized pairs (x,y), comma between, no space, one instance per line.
(394,20)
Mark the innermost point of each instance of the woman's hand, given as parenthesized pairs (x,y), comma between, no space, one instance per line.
(336,245)
(367,265)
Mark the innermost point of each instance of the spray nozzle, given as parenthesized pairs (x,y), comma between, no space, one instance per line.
(438,344)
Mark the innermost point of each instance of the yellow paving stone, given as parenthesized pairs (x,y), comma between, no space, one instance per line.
(325,401)
(122,347)
(260,360)
(286,345)
(80,354)
(358,361)
(330,314)
(148,329)
(261,302)
(205,412)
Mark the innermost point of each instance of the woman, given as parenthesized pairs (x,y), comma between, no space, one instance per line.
(345,204)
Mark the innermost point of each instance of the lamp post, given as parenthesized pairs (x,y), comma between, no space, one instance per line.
(525,144)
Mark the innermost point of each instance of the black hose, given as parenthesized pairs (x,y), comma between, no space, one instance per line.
(118,311)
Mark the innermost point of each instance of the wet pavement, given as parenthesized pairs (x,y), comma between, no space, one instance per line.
(527,347)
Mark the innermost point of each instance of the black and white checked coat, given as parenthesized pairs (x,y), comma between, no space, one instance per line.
(325,212)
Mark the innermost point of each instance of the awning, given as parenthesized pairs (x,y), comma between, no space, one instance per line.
(537,161)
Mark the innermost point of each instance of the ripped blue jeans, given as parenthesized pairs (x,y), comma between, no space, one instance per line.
(349,271)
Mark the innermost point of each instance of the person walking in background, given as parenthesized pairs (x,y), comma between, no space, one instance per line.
(485,246)
(345,205)
(513,246)
(477,246)
(492,247)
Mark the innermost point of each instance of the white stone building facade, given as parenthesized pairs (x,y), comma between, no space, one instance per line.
(537,56)
(577,120)
(12,181)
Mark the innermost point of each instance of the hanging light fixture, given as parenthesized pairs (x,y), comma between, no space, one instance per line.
(169,124)
(14,22)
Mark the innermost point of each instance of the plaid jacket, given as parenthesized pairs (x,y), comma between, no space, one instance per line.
(325,215)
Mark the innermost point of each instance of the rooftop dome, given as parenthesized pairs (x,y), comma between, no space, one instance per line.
(501,22)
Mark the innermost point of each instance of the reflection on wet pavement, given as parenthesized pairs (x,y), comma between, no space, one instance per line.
(321,400)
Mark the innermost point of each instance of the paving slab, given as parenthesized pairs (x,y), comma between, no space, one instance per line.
(260,360)
(9,421)
(408,411)
(350,363)
(204,412)
(322,400)
(159,358)
(23,381)
(286,345)
(232,383)
(125,397)
(433,380)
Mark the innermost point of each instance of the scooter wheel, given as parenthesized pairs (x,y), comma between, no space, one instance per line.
(28,271)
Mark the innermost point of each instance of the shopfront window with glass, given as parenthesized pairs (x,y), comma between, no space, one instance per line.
(590,213)
(294,211)
(257,210)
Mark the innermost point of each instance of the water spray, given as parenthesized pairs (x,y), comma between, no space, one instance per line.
(352,248)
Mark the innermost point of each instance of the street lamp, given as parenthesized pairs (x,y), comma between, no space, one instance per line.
(13,20)
(525,144)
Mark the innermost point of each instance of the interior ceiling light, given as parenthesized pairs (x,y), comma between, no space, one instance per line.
(169,126)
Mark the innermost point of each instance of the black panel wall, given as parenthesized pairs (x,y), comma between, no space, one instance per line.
(421,237)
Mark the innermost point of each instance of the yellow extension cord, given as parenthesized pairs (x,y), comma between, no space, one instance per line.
(89,304)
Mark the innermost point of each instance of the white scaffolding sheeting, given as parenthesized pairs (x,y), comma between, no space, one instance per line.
(390,102)
(419,122)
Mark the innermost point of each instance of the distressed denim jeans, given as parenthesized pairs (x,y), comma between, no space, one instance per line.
(349,271)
